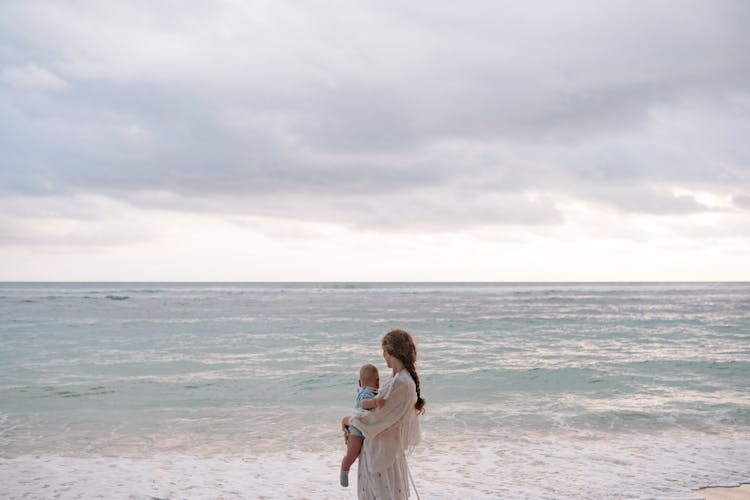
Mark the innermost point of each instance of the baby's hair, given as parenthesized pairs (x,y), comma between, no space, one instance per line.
(368,373)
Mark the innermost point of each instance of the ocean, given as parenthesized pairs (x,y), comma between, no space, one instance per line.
(236,390)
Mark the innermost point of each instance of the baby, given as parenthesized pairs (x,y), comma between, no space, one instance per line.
(369,383)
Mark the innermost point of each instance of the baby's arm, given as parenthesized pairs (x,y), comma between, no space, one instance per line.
(372,403)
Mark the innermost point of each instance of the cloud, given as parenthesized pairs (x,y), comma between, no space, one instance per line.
(379,115)
(742,200)
(31,76)
(78,221)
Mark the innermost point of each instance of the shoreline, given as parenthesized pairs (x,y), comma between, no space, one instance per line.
(739,492)
(297,474)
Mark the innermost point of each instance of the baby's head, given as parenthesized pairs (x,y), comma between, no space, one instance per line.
(369,377)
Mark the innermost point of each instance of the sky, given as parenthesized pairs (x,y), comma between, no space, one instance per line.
(336,140)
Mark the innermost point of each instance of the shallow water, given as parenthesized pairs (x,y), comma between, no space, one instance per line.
(534,391)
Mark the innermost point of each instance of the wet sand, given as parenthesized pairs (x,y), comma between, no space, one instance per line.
(741,492)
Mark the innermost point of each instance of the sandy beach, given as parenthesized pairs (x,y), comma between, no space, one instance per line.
(741,492)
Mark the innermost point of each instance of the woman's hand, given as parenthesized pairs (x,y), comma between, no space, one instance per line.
(345,427)
(371,404)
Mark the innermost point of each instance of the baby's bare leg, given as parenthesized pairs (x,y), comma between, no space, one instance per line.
(353,445)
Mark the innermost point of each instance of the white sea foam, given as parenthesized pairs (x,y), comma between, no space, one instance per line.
(663,467)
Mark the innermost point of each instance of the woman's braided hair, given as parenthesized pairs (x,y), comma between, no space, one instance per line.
(398,343)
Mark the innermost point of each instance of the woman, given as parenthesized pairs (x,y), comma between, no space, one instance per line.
(391,431)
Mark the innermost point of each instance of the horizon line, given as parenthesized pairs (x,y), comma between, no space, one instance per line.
(384,282)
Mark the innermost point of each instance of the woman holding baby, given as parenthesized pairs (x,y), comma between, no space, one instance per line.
(392,429)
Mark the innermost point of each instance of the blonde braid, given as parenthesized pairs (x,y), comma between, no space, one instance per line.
(419,405)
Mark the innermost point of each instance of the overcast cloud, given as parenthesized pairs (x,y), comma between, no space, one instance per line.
(428,115)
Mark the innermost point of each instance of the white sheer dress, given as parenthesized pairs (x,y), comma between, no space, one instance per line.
(390,433)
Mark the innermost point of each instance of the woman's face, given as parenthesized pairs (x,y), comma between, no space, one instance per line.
(387,358)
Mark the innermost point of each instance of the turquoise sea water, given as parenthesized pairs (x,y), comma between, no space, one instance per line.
(533,390)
